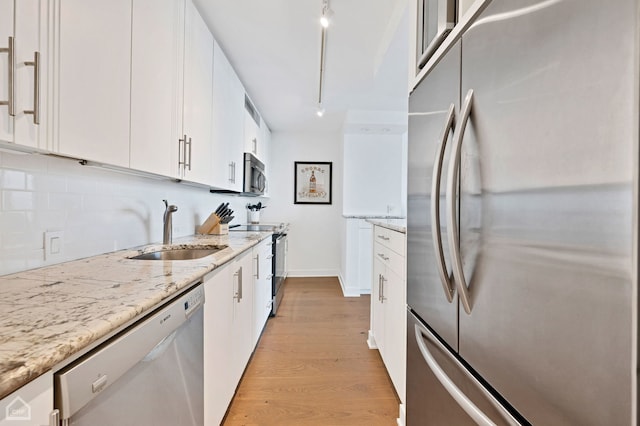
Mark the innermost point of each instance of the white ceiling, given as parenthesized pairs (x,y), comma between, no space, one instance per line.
(274,45)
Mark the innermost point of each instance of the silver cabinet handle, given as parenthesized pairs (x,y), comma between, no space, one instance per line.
(255,145)
(382,280)
(36,87)
(237,293)
(379,287)
(258,266)
(463,400)
(189,144)
(240,284)
(182,152)
(231,171)
(11,68)
(383,257)
(383,238)
(436,233)
(452,200)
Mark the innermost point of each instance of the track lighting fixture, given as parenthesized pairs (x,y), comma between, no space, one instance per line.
(327,13)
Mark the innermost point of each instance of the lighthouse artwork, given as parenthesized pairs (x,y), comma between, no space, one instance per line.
(312,182)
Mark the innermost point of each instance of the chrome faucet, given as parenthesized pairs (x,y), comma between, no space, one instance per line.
(167,232)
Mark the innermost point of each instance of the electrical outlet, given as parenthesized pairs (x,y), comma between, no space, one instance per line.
(53,244)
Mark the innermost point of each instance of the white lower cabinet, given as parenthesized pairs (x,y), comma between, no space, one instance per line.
(32,404)
(263,276)
(228,323)
(388,304)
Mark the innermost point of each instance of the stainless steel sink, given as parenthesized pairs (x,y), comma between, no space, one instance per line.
(179,253)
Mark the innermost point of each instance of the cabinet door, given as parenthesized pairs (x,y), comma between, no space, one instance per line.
(94,76)
(6,31)
(394,329)
(262,287)
(218,356)
(228,124)
(31,82)
(198,90)
(156,85)
(377,304)
(251,134)
(241,336)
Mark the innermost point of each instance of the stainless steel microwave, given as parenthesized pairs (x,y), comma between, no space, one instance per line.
(436,19)
(255,180)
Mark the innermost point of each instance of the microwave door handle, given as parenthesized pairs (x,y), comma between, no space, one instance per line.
(436,233)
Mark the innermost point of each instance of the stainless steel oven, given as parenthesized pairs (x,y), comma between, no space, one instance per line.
(279,269)
(436,19)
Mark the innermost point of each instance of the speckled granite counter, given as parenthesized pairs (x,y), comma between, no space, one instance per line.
(399,225)
(51,313)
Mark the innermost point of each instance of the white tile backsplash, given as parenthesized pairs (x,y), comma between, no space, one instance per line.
(98,210)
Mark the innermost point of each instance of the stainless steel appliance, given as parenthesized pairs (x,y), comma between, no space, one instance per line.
(522,220)
(255,180)
(150,374)
(436,19)
(279,259)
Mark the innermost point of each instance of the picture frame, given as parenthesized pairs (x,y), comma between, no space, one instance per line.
(312,182)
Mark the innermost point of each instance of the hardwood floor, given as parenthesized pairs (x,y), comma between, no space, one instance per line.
(312,365)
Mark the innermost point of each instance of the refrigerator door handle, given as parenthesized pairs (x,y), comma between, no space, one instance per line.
(452,199)
(463,400)
(447,285)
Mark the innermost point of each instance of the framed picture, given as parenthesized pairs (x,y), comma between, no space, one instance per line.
(312,182)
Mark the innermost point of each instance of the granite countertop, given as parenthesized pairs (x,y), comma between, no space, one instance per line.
(399,225)
(51,313)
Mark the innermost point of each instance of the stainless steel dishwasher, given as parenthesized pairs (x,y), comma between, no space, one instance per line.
(149,374)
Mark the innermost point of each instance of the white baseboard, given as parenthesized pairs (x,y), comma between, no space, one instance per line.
(348,292)
(371,341)
(309,273)
(401,420)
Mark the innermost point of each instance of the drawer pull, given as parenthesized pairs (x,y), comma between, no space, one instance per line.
(383,257)
(382,237)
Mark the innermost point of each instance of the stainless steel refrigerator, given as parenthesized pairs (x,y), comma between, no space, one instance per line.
(522,220)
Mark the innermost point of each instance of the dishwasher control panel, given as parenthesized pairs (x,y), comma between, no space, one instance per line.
(193,300)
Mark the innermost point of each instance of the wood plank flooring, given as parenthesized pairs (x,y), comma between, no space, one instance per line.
(312,365)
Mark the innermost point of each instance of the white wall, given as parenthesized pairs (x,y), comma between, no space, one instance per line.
(316,230)
(98,210)
(373,175)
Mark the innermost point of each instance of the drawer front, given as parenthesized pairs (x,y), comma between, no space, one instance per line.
(389,238)
(390,258)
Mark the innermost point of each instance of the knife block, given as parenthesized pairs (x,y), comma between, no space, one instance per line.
(220,229)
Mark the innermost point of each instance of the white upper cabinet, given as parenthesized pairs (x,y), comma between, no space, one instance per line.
(252,123)
(23,83)
(6,37)
(157,59)
(195,151)
(93,64)
(228,124)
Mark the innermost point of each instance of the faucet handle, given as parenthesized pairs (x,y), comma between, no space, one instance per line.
(166,204)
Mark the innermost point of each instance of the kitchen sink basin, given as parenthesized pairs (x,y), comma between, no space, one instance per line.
(181,253)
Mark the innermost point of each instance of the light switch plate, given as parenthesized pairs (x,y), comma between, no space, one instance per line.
(53,244)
